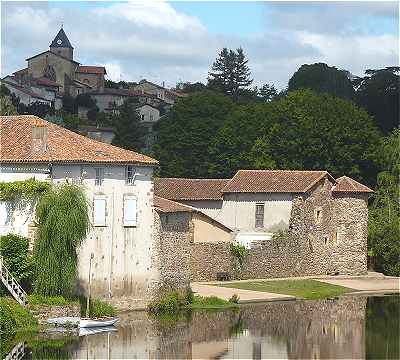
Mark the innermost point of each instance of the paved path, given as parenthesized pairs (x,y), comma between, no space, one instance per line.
(245,296)
(367,284)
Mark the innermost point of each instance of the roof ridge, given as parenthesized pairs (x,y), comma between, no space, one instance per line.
(178,178)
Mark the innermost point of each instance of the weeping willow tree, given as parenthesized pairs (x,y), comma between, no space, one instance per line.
(63,223)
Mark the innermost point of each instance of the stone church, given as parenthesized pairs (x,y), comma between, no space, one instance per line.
(58,68)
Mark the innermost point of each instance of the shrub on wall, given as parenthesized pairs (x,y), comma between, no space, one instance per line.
(63,223)
(239,252)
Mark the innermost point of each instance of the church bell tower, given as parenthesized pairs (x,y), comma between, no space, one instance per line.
(61,45)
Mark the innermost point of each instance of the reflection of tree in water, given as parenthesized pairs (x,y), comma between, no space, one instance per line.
(42,348)
(383,327)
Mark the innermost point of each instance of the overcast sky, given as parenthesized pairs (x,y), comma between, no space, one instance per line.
(178,41)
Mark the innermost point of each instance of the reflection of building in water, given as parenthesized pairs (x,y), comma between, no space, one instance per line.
(324,329)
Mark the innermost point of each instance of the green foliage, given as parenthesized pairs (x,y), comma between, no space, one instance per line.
(22,189)
(267,92)
(281,235)
(14,250)
(14,317)
(234,299)
(63,223)
(7,108)
(384,212)
(210,303)
(37,299)
(97,308)
(322,78)
(129,130)
(230,73)
(172,302)
(238,251)
(186,132)
(37,108)
(378,92)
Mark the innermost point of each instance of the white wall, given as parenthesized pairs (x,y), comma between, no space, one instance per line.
(237,211)
(149,114)
(122,255)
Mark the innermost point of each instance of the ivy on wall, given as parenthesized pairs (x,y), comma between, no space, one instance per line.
(22,189)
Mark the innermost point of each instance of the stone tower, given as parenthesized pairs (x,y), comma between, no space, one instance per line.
(61,45)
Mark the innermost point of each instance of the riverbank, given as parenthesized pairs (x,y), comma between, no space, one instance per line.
(320,287)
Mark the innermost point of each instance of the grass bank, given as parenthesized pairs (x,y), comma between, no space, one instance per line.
(174,302)
(13,317)
(307,289)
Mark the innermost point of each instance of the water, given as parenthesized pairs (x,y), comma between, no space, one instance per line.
(350,327)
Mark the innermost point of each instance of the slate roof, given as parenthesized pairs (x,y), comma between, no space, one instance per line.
(62,36)
(189,189)
(346,184)
(63,146)
(275,181)
(85,69)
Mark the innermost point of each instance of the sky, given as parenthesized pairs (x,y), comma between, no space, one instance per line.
(178,41)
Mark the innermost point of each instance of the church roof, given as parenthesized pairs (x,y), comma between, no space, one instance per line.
(52,53)
(61,40)
(91,69)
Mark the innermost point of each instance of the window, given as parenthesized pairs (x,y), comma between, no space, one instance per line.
(5,213)
(318,215)
(99,176)
(130,175)
(142,117)
(259,215)
(151,117)
(99,211)
(130,211)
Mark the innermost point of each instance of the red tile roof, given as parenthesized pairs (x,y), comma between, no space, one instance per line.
(346,184)
(189,189)
(91,69)
(276,181)
(46,82)
(169,206)
(62,145)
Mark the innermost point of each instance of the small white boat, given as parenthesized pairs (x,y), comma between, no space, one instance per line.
(90,323)
(96,330)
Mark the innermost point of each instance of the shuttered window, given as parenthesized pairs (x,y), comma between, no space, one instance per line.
(99,211)
(259,215)
(130,211)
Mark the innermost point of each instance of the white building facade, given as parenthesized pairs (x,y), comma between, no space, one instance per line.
(119,190)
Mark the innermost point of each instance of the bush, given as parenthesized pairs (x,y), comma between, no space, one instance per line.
(97,308)
(14,249)
(234,299)
(171,303)
(14,317)
(238,251)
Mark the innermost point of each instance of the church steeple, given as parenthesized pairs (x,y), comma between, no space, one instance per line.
(61,45)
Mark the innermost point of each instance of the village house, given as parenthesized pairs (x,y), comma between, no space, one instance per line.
(119,188)
(56,69)
(292,222)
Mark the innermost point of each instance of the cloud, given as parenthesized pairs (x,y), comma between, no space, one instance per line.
(153,40)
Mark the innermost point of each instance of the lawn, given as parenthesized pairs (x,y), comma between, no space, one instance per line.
(307,289)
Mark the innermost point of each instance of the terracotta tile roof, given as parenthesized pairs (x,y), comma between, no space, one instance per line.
(276,181)
(346,184)
(91,69)
(189,189)
(25,90)
(167,206)
(46,82)
(63,145)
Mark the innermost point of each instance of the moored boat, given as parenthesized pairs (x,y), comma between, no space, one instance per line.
(90,323)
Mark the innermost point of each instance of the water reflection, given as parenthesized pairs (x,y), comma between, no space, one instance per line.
(348,327)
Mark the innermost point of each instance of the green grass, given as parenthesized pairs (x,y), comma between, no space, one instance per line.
(210,302)
(36,299)
(307,289)
(13,317)
(97,308)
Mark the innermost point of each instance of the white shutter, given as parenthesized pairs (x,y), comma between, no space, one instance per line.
(5,213)
(99,211)
(130,211)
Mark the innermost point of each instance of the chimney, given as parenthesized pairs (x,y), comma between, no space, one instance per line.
(163,84)
(39,139)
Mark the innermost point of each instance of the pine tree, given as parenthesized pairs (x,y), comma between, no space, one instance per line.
(129,131)
(230,73)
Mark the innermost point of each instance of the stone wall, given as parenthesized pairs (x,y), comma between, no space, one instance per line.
(173,235)
(327,235)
